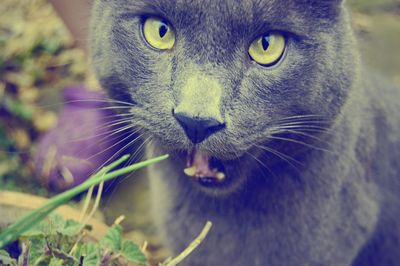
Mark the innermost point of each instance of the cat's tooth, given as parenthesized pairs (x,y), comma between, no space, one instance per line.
(220,176)
(190,171)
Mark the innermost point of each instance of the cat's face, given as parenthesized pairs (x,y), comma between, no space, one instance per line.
(206,72)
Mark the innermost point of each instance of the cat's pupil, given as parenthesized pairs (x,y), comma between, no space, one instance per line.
(163,30)
(265,42)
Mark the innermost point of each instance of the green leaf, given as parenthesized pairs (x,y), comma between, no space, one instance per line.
(56,262)
(48,227)
(132,253)
(89,252)
(71,228)
(54,225)
(37,248)
(6,259)
(113,239)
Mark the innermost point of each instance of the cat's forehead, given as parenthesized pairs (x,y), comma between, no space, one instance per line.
(247,6)
(285,13)
(231,9)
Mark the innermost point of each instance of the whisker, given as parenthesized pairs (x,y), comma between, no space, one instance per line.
(126,146)
(282,156)
(297,118)
(107,101)
(114,107)
(102,127)
(113,123)
(302,116)
(141,147)
(99,100)
(297,132)
(116,154)
(116,136)
(112,146)
(260,163)
(133,157)
(304,127)
(115,182)
(294,123)
(105,134)
(300,143)
(116,115)
(117,121)
(79,154)
(131,160)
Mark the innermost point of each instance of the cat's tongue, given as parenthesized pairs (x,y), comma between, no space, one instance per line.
(199,165)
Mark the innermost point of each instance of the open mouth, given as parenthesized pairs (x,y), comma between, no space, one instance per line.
(207,170)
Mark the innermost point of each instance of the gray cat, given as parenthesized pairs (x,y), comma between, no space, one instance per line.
(277,133)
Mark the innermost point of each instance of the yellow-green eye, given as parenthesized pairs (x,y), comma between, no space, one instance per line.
(158,33)
(268,49)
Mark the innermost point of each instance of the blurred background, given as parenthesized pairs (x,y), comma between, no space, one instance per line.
(39,58)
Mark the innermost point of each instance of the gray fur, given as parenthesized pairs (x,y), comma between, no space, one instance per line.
(338,207)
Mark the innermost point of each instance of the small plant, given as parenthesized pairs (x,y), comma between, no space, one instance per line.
(58,242)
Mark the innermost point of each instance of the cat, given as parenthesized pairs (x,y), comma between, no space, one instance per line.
(277,132)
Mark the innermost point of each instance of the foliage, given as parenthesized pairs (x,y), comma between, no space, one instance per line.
(55,241)
(105,174)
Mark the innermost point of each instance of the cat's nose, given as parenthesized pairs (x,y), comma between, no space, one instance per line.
(198,128)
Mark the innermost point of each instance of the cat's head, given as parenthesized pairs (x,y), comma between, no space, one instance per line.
(218,80)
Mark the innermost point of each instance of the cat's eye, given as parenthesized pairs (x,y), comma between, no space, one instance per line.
(158,33)
(268,49)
